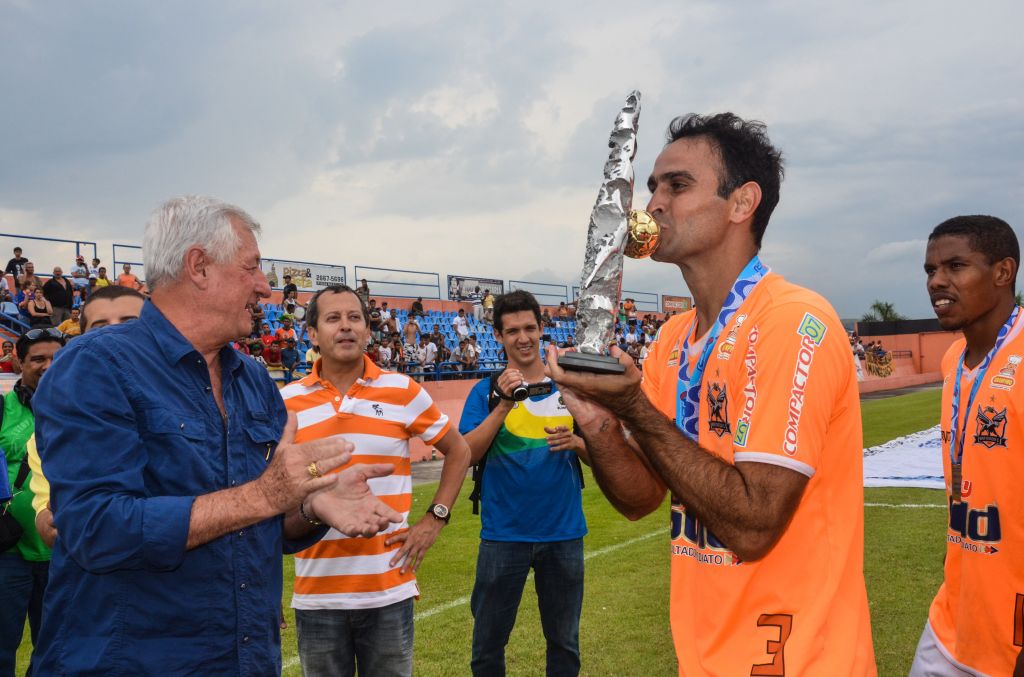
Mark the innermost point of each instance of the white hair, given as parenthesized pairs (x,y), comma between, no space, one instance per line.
(188,221)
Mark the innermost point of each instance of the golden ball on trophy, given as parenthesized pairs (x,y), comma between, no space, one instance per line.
(642,239)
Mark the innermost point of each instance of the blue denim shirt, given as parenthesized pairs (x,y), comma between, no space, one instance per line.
(125,464)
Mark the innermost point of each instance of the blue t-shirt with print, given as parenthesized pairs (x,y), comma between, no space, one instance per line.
(529,493)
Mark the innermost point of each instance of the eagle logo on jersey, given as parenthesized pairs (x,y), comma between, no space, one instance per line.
(718,410)
(991,430)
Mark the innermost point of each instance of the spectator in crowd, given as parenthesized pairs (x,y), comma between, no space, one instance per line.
(38,307)
(16,267)
(460,323)
(101,278)
(471,355)
(569,342)
(375,320)
(256,351)
(545,319)
(312,354)
(94,269)
(128,279)
(416,310)
(373,351)
(24,569)
(443,353)
(563,311)
(531,508)
(457,355)
(289,287)
(621,316)
(629,306)
(477,299)
(8,359)
(387,318)
(60,293)
(265,336)
(410,333)
(139,538)
(289,359)
(256,309)
(285,331)
(354,609)
(30,276)
(72,326)
(384,355)
(435,336)
(363,291)
(426,354)
(398,359)
(80,274)
(488,304)
(272,353)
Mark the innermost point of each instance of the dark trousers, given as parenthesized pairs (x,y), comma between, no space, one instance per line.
(22,584)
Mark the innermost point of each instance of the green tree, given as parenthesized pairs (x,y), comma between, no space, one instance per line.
(881,311)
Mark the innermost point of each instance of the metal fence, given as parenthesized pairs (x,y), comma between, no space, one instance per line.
(399,283)
(547,293)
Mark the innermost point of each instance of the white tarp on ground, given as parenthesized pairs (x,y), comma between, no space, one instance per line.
(913,460)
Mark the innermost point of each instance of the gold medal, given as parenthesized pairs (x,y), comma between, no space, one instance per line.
(956,480)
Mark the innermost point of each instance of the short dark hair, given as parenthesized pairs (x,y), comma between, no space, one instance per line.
(313,308)
(746,154)
(109,293)
(986,235)
(17,249)
(514,302)
(44,335)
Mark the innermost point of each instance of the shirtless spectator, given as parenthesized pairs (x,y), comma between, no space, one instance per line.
(128,279)
(410,332)
(388,323)
(30,276)
(436,337)
(257,318)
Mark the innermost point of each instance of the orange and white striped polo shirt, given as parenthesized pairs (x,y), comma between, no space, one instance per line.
(378,414)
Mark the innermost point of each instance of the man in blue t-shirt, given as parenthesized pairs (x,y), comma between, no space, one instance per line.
(530,498)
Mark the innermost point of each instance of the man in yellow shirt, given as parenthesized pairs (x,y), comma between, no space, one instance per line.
(107,306)
(72,326)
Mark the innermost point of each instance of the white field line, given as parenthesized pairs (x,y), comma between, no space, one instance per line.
(905,505)
(294,660)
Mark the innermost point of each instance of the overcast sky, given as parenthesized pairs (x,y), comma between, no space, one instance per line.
(465,138)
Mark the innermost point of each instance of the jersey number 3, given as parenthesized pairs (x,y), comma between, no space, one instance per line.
(774,648)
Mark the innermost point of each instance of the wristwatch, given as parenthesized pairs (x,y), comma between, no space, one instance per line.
(439,511)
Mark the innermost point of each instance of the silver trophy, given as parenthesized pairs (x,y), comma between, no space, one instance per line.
(614,230)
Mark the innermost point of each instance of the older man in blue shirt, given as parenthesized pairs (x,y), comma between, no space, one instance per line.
(175,491)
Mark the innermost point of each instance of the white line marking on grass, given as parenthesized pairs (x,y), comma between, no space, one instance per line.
(905,505)
(294,660)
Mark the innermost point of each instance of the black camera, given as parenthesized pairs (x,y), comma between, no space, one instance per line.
(525,390)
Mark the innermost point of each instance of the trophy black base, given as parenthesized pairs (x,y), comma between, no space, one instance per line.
(595,364)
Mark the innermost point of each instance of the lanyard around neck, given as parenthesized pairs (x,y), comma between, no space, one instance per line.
(957,435)
(689,384)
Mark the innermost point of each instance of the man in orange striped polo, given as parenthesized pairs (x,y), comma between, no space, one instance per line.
(353,597)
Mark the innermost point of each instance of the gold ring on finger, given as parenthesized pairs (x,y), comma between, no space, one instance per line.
(314,470)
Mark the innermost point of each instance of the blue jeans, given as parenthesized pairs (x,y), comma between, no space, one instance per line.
(339,642)
(22,584)
(501,571)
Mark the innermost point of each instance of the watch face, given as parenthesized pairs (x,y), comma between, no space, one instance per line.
(441,511)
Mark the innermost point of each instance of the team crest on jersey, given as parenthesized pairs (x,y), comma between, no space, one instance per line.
(718,410)
(991,427)
(812,328)
(1005,379)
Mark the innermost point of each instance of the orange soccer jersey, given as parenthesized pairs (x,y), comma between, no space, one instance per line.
(978,613)
(779,388)
(379,414)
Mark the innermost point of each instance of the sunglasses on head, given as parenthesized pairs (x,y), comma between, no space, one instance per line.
(36,334)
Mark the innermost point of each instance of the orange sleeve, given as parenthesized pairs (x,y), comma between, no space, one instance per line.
(803,365)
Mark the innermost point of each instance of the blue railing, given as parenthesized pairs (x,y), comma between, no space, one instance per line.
(547,293)
(13,324)
(60,255)
(132,258)
(397,283)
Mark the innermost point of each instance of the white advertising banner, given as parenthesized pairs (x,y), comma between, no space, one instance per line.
(305,276)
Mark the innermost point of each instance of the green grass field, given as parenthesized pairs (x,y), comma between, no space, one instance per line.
(624,629)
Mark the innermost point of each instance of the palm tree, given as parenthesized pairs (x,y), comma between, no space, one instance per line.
(881,311)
